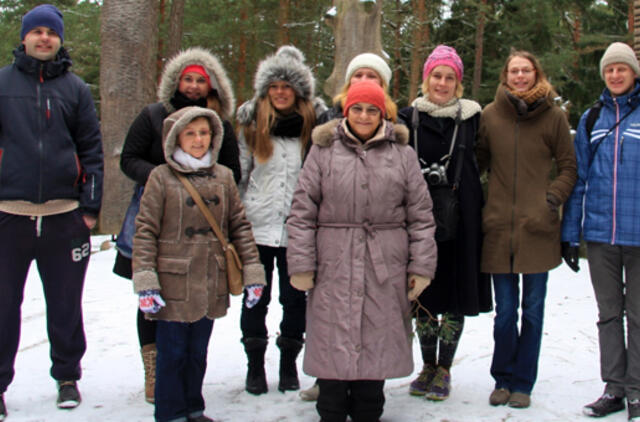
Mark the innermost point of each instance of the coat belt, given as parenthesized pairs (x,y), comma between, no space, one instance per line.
(377,257)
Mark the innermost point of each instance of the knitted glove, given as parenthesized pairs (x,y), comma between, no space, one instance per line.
(253,295)
(417,284)
(150,301)
(571,255)
(302,281)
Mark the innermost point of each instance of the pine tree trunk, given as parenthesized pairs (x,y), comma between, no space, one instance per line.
(479,46)
(421,37)
(283,20)
(356,29)
(129,33)
(176,17)
(636,29)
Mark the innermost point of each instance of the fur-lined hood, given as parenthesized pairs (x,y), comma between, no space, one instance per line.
(287,64)
(327,133)
(176,122)
(200,56)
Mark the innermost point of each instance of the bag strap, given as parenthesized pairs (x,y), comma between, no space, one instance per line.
(203,208)
(415,122)
(595,149)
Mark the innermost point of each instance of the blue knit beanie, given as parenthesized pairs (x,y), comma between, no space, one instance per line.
(44,15)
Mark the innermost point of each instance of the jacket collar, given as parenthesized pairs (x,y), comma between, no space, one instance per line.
(632,98)
(326,134)
(49,69)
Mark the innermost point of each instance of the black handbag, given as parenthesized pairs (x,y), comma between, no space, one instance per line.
(446,204)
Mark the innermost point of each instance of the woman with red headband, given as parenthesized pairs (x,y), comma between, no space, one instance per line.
(361,243)
(194,77)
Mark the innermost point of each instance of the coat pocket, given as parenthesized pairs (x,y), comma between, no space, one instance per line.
(173,274)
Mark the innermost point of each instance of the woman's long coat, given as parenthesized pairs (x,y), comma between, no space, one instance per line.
(518,147)
(175,250)
(458,287)
(361,219)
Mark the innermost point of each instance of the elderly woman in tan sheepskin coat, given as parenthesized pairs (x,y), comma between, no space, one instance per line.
(179,267)
(361,241)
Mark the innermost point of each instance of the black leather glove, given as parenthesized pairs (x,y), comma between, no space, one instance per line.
(571,255)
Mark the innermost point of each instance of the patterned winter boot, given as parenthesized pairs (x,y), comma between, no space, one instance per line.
(149,354)
(255,349)
(420,385)
(289,350)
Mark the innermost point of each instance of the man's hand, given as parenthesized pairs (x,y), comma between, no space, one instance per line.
(571,255)
(90,221)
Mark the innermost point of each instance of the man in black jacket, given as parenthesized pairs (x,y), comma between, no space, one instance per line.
(51,169)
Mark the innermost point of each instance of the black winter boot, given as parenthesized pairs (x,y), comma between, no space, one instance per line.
(289,350)
(256,379)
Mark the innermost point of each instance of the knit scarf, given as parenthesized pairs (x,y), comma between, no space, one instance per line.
(538,91)
(179,100)
(190,162)
(450,109)
(289,126)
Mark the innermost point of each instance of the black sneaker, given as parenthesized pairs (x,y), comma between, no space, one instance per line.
(604,406)
(634,410)
(3,408)
(68,395)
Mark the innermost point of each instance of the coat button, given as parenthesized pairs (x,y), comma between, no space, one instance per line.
(364,186)
(358,348)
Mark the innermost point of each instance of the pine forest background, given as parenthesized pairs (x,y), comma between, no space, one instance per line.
(568,36)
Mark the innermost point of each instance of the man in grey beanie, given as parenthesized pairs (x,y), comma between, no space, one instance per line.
(604,210)
(51,168)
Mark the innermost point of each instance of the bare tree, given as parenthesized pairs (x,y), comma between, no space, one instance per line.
(128,33)
(356,28)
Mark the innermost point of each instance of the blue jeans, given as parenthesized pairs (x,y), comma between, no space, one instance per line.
(180,368)
(515,356)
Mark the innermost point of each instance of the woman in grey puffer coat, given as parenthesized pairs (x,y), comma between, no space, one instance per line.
(361,241)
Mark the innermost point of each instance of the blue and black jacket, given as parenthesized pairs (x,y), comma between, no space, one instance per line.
(605,203)
(50,142)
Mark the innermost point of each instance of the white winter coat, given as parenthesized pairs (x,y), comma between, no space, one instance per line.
(267,188)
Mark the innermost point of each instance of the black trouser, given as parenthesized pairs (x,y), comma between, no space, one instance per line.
(60,245)
(252,321)
(363,400)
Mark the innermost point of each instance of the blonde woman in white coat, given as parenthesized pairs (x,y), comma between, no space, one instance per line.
(275,129)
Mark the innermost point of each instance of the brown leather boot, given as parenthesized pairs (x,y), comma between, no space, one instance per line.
(149,354)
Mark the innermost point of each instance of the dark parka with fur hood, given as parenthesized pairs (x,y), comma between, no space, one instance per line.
(361,220)
(175,250)
(142,149)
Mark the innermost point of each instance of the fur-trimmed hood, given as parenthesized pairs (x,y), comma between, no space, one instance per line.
(200,56)
(176,122)
(324,135)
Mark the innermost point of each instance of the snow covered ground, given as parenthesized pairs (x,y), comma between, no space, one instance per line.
(111,386)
